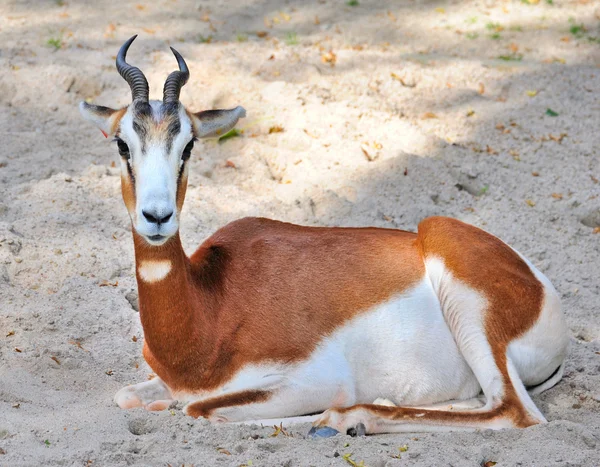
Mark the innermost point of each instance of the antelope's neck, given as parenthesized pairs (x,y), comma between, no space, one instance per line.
(167,299)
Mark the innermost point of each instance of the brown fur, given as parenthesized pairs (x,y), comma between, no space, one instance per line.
(514,294)
(515,300)
(261,290)
(115,119)
(207,407)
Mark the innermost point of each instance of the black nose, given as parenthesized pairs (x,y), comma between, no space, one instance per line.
(155,218)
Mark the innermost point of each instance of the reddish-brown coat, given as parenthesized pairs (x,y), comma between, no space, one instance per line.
(485,263)
(264,291)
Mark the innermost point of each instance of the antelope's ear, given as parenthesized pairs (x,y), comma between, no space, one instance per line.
(211,123)
(104,118)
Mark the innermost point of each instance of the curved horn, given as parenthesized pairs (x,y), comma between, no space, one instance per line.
(175,80)
(133,75)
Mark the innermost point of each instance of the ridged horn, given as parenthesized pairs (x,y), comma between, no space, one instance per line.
(175,80)
(133,75)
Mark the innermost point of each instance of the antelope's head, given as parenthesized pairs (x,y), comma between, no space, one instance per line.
(155,140)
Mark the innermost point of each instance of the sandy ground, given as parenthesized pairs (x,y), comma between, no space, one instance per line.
(449,101)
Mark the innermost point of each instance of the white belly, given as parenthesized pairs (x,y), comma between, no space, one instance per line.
(401,350)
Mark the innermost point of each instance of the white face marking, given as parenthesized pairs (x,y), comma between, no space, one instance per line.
(154,271)
(156,171)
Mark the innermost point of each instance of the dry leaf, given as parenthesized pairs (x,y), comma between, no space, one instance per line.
(391,16)
(558,138)
(55,359)
(224,451)
(490,463)
(405,171)
(317,21)
(109,372)
(440,10)
(312,135)
(279,430)
(329,57)
(532,93)
(151,376)
(594,179)
(535,174)
(402,82)
(470,113)
(365,149)
(513,47)
(515,154)
(530,202)
(76,343)
(596,230)
(555,60)
(108,283)
(491,150)
(110,31)
(500,126)
(134,338)
(18,350)
(262,34)
(149,31)
(428,115)
(16,406)
(10,333)
(481,88)
(276,129)
(565,39)
(557,195)
(230,164)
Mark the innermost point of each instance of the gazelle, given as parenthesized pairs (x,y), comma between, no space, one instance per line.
(271,320)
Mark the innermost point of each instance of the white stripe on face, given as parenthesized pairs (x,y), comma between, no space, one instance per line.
(156,164)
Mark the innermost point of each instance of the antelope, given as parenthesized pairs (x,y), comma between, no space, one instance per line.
(358,330)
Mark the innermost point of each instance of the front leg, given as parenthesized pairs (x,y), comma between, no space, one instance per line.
(152,395)
(279,403)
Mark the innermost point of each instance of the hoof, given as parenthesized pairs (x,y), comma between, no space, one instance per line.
(322,432)
(358,430)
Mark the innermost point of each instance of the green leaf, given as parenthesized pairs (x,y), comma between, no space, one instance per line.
(511,58)
(291,38)
(47,443)
(551,113)
(230,134)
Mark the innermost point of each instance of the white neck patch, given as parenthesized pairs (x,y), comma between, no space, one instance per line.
(154,271)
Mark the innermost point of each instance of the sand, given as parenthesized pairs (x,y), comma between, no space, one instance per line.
(391,111)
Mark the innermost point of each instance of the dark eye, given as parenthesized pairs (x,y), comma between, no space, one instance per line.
(187,152)
(123,148)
